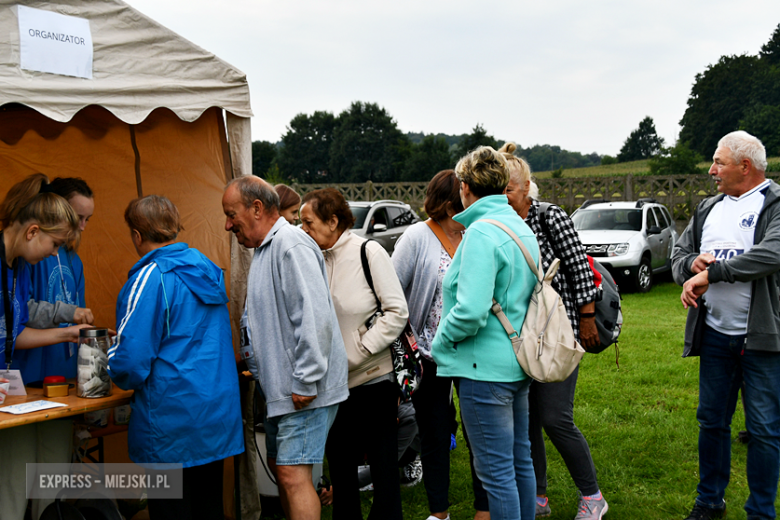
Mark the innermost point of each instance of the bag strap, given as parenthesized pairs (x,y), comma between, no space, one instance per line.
(439,232)
(528,258)
(367,273)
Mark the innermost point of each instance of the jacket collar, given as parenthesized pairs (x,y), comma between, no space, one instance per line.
(484,206)
(279,224)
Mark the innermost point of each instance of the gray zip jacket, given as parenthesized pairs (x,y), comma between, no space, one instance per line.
(760,265)
(295,332)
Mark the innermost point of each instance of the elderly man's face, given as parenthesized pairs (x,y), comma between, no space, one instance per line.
(727,174)
(242,221)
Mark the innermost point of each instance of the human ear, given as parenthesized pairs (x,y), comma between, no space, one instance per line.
(333,222)
(32,231)
(258,207)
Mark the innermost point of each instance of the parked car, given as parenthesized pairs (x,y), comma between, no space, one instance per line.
(382,220)
(633,240)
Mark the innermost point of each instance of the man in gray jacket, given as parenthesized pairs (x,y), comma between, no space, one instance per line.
(728,262)
(300,359)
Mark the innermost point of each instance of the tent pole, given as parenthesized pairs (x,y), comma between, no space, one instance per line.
(137,162)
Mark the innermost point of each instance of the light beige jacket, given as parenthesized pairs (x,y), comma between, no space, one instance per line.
(367,350)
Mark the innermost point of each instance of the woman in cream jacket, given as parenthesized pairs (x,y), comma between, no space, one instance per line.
(366,422)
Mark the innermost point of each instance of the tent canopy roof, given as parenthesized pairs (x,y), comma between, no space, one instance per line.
(138,65)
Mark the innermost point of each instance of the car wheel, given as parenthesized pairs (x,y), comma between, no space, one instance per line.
(643,279)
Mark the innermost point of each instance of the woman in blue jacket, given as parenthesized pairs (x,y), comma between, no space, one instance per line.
(173,347)
(471,345)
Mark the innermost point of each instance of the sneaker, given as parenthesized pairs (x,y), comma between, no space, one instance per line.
(412,473)
(542,507)
(706,513)
(591,508)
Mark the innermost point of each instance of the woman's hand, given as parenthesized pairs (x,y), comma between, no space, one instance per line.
(83,316)
(2,390)
(71,334)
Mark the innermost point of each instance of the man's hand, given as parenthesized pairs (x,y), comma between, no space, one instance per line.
(71,334)
(701,262)
(694,288)
(302,401)
(589,334)
(83,316)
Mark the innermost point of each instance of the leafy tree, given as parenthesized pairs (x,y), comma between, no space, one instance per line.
(367,145)
(770,51)
(718,100)
(557,174)
(608,159)
(477,137)
(427,158)
(675,160)
(305,154)
(642,143)
(763,121)
(263,154)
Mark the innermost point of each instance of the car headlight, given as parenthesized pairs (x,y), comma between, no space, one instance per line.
(617,249)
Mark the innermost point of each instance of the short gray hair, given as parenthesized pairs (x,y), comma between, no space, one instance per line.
(745,146)
(533,191)
(253,188)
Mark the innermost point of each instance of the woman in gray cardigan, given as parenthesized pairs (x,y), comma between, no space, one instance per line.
(421,260)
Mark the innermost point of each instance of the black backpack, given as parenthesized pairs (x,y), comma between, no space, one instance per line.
(609,315)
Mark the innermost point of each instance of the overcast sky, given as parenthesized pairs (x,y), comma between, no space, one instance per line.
(576,74)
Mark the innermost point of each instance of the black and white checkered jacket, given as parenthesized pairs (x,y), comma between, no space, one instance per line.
(574,281)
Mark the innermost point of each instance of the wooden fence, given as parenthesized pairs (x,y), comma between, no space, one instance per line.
(680,193)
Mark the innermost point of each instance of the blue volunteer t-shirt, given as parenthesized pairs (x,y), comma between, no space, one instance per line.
(19,311)
(53,279)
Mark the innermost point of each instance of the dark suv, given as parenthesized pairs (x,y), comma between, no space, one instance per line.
(382,220)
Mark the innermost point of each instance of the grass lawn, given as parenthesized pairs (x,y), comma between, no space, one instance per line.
(640,421)
(633,167)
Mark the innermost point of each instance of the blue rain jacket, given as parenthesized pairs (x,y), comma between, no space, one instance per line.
(174,348)
(54,279)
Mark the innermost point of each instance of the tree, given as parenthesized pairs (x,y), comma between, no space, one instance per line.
(675,160)
(427,158)
(718,101)
(608,159)
(367,145)
(305,154)
(263,154)
(478,137)
(642,143)
(770,51)
(763,121)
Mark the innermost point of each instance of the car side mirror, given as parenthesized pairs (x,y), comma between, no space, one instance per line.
(382,227)
(654,230)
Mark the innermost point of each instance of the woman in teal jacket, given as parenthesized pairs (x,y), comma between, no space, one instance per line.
(471,344)
(173,347)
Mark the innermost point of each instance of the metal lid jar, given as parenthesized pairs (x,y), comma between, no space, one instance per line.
(93,380)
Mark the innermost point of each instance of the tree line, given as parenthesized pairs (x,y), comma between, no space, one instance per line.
(364,143)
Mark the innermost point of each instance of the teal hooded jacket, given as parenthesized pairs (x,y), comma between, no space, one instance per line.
(470,341)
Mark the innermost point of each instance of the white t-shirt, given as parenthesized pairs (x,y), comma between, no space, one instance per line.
(729,231)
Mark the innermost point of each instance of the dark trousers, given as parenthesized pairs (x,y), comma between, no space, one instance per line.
(201,498)
(552,409)
(480,495)
(366,423)
(432,404)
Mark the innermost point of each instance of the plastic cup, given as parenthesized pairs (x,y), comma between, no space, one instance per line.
(6,387)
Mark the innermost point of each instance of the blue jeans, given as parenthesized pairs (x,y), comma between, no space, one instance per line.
(495,416)
(724,365)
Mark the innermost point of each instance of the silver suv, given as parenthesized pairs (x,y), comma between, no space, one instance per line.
(382,220)
(633,240)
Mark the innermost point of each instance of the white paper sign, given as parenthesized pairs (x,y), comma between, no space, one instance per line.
(34,406)
(55,43)
(17,385)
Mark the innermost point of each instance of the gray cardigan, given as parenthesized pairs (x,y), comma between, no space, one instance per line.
(295,333)
(416,260)
(760,265)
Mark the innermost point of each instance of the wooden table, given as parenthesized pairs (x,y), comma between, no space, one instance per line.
(75,405)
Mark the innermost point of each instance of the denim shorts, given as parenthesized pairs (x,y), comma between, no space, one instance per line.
(298,438)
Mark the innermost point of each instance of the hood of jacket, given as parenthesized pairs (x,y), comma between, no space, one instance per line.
(202,277)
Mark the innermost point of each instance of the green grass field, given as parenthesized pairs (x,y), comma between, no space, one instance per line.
(640,421)
(633,167)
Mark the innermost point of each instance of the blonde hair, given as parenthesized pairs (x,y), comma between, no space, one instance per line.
(519,170)
(484,170)
(29,201)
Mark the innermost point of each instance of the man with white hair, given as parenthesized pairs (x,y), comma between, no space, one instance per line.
(728,262)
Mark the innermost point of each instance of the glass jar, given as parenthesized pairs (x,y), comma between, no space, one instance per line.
(93,380)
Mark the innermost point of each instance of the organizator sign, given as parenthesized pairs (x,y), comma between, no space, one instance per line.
(54,43)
